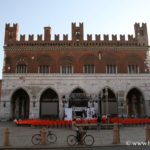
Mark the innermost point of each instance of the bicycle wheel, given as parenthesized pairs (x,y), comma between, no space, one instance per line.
(71,140)
(88,140)
(36,139)
(51,138)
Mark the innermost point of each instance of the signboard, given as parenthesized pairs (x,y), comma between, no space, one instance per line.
(90,112)
(68,114)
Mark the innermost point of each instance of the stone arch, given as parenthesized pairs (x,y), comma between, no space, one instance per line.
(22,62)
(135,103)
(110,59)
(78,87)
(78,101)
(66,60)
(133,59)
(20,102)
(44,60)
(88,63)
(22,59)
(89,58)
(66,64)
(49,104)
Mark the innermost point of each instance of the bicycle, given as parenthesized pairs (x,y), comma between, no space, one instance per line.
(51,138)
(85,139)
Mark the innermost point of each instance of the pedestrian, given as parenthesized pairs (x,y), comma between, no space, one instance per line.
(99,119)
(78,131)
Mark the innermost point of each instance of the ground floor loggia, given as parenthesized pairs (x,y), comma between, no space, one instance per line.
(83,104)
(47,97)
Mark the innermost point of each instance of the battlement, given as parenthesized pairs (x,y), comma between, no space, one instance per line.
(111,38)
(138,25)
(106,38)
(140,38)
(8,26)
(80,24)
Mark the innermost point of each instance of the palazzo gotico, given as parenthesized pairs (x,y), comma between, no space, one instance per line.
(42,76)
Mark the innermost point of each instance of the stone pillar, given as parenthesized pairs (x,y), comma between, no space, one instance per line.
(142,109)
(147,133)
(61,108)
(44,136)
(116,135)
(34,109)
(6,137)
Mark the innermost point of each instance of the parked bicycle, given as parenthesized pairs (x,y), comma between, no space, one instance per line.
(51,138)
(85,139)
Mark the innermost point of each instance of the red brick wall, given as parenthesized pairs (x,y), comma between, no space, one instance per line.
(79,57)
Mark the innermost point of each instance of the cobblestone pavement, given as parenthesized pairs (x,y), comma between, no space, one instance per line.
(21,136)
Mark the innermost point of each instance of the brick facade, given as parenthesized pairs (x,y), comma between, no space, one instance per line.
(75,52)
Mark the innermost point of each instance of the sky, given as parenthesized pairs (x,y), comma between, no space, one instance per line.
(99,17)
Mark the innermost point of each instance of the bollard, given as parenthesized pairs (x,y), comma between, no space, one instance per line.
(44,136)
(116,135)
(6,137)
(147,133)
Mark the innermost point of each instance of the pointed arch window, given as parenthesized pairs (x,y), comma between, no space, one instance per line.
(111,69)
(44,69)
(66,69)
(133,69)
(21,68)
(89,68)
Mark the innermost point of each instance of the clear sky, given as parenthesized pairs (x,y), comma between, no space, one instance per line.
(98,16)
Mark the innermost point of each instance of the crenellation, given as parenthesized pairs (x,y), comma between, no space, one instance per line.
(22,38)
(65,37)
(141,34)
(89,37)
(81,24)
(106,37)
(141,38)
(7,25)
(56,37)
(15,25)
(11,33)
(73,25)
(39,37)
(97,37)
(137,25)
(130,38)
(122,38)
(144,25)
(114,38)
(31,37)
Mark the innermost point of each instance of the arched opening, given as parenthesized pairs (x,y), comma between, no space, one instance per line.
(20,104)
(78,98)
(78,101)
(108,103)
(135,103)
(49,104)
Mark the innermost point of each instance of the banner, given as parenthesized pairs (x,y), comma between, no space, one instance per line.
(68,114)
